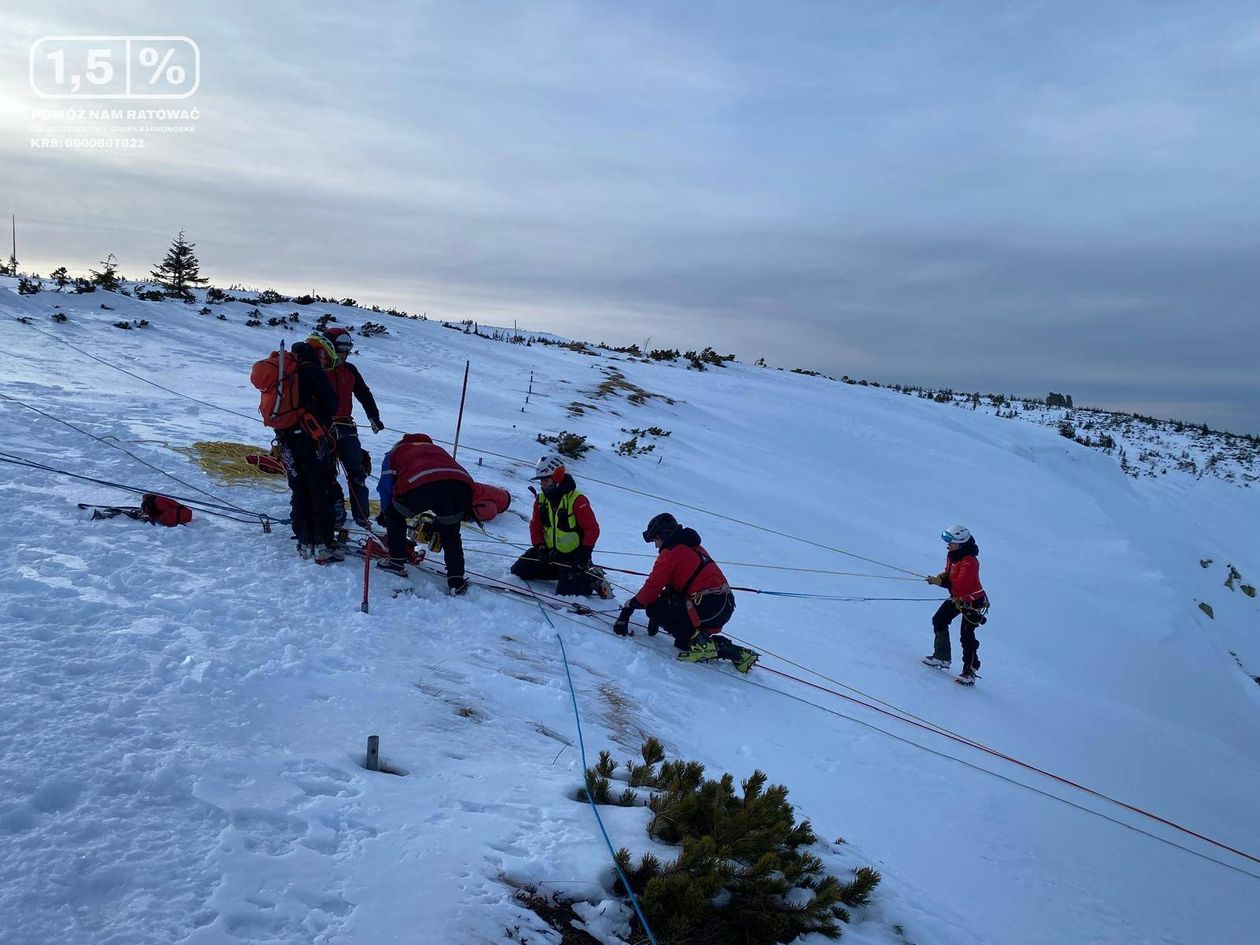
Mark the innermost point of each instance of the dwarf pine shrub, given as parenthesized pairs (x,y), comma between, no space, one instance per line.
(572,445)
(743,864)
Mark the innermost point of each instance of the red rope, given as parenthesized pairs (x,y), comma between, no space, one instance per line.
(935,730)
(1023,764)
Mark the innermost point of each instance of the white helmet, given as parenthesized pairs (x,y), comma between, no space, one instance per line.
(956,533)
(549,467)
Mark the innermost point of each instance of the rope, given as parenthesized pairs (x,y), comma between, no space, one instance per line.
(1024,764)
(726,564)
(695,508)
(227,461)
(625,881)
(199,504)
(144,380)
(123,449)
(1002,777)
(747,590)
(932,728)
(515,459)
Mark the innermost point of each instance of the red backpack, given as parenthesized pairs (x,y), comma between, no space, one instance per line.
(276,376)
(160,510)
(489,501)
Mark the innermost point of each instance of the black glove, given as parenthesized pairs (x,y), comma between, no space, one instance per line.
(580,559)
(622,625)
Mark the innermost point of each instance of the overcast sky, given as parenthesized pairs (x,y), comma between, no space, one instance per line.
(1017,197)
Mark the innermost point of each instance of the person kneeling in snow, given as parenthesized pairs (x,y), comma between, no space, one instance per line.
(563,531)
(418,476)
(687,595)
(961,578)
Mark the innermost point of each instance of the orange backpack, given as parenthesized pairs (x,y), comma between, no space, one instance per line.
(276,376)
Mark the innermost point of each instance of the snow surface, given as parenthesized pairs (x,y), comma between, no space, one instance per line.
(184,711)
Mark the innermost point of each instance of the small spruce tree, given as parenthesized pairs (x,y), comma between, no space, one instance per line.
(61,277)
(180,270)
(107,278)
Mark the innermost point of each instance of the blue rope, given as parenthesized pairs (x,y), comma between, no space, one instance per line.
(625,880)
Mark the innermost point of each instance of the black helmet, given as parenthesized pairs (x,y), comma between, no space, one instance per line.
(661,526)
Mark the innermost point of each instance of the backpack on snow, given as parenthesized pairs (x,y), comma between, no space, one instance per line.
(276,377)
(489,501)
(159,510)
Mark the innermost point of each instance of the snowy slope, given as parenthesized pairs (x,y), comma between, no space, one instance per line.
(185,710)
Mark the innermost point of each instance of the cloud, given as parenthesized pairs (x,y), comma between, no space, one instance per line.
(1005,198)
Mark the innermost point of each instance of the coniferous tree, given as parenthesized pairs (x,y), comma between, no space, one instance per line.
(61,277)
(180,270)
(107,278)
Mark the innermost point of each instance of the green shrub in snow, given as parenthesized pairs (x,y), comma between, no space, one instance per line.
(744,872)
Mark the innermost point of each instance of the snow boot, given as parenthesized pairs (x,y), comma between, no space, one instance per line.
(336,552)
(393,566)
(324,554)
(935,662)
(700,651)
(305,552)
(747,660)
(966,678)
(457,587)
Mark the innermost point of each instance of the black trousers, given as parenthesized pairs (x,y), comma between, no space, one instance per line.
(967,635)
(670,613)
(312,482)
(448,500)
(568,571)
(350,452)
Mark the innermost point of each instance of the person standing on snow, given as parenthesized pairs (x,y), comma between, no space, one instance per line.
(563,531)
(687,595)
(348,382)
(961,578)
(417,476)
(306,451)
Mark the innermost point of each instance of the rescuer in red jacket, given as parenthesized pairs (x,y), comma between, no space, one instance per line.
(961,578)
(687,595)
(347,382)
(418,476)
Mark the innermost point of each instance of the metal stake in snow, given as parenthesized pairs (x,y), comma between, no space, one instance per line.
(367,572)
(373,760)
(460,422)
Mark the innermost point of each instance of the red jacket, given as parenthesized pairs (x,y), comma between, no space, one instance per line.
(963,578)
(347,382)
(587,526)
(415,462)
(675,566)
